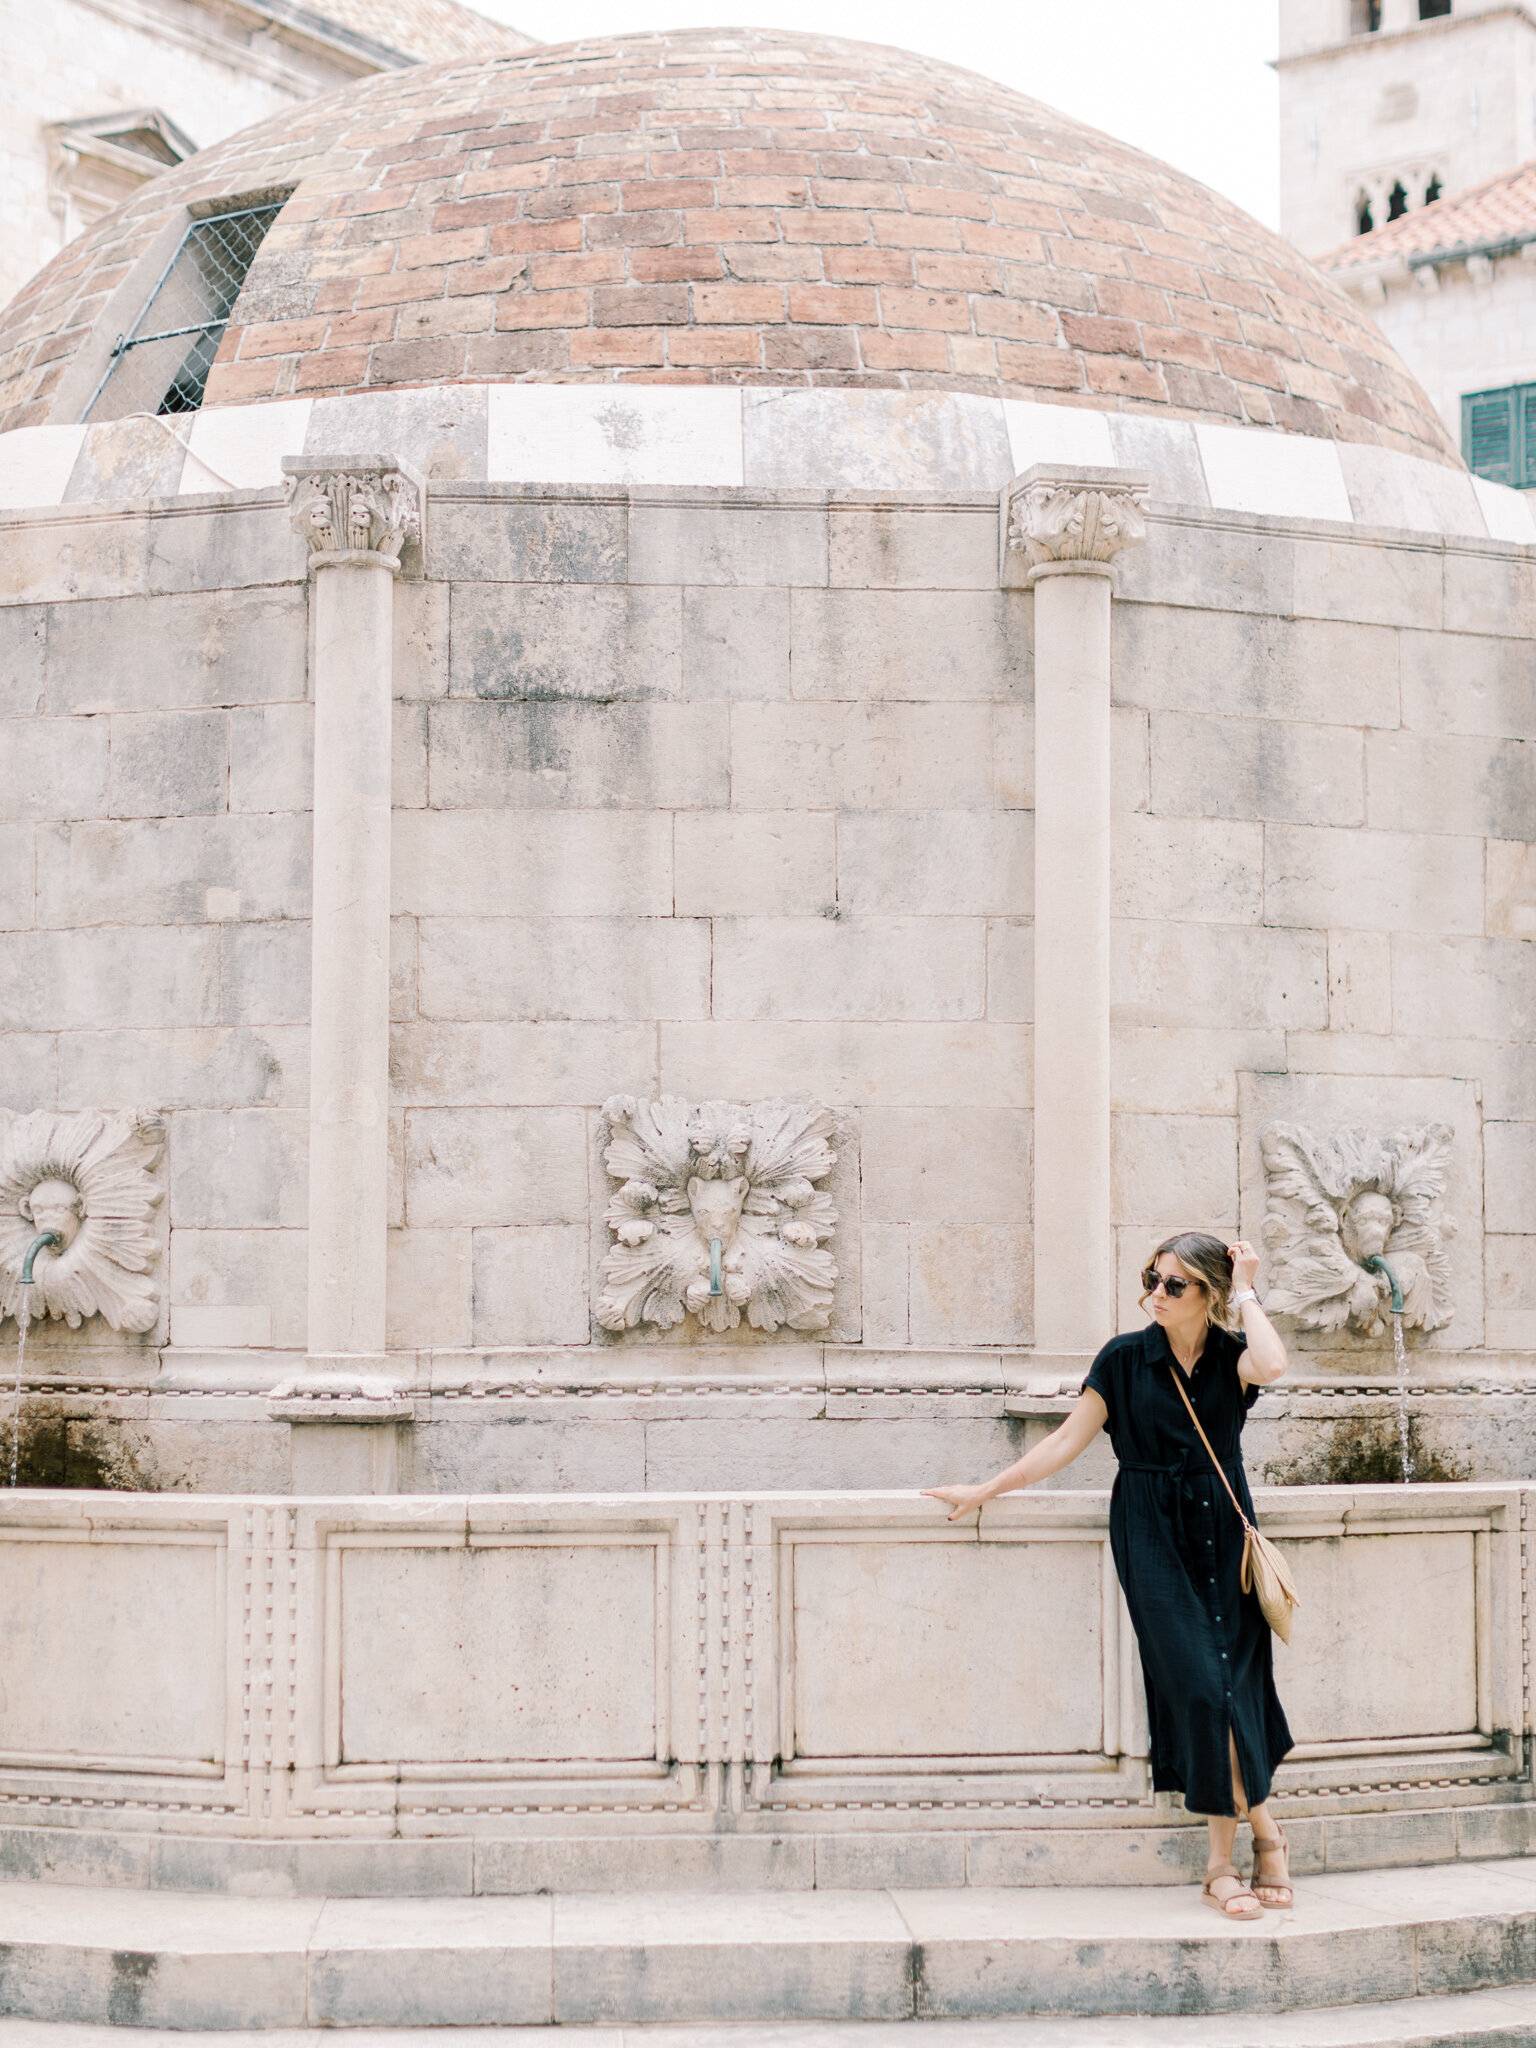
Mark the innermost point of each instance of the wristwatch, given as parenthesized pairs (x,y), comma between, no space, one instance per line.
(1243,1294)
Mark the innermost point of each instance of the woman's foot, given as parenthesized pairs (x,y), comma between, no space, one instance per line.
(1271,1872)
(1227,1893)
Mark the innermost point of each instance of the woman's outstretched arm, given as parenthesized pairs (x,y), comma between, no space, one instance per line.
(1050,1455)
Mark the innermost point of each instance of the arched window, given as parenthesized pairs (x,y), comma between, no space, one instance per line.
(1364,17)
(1365,220)
(1397,201)
(1433,190)
(1429,9)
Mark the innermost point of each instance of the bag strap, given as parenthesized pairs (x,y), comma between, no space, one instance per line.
(1178,1381)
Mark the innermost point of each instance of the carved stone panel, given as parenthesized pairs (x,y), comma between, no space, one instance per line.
(88,1178)
(717,1215)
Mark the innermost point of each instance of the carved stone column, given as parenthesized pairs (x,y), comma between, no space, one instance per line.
(356,515)
(1062,529)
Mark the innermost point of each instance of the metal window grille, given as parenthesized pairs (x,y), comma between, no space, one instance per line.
(161,364)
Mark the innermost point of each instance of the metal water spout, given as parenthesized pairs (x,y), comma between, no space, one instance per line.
(43,1239)
(716,1283)
(1377,1264)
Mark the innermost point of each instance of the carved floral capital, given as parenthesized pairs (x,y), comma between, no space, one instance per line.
(354,512)
(1071,518)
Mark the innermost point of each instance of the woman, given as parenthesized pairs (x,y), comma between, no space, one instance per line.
(1216,1724)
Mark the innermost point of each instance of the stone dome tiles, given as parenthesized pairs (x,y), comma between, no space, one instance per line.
(739,207)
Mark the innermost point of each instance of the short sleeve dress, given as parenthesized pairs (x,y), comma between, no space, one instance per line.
(1206,1649)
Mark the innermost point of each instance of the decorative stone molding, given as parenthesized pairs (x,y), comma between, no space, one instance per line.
(1334,1203)
(87,1177)
(1074,518)
(696,1174)
(363,510)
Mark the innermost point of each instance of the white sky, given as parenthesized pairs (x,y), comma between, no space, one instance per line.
(1188,80)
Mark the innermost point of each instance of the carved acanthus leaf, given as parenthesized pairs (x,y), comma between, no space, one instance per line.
(355,511)
(743,1174)
(1071,522)
(1335,1201)
(90,1177)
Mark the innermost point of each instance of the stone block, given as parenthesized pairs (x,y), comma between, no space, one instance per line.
(1286,476)
(887,1257)
(264,973)
(187,1069)
(1163,1165)
(430,1962)
(1469,683)
(1167,449)
(91,556)
(1420,782)
(31,1070)
(579,756)
(714,543)
(229,647)
(1257,769)
(760,1452)
(125,461)
(271,758)
(241,448)
(637,434)
(243,1269)
(1462,988)
(1390,489)
(23,655)
(1190,1071)
(875,441)
(1371,582)
(898,969)
(441,432)
(431,1289)
(565,640)
(889,1862)
(946,1165)
(36,465)
(877,547)
(1510,876)
(1241,664)
(531,969)
(238,1169)
(667,1863)
(468,1166)
(490,538)
(945,863)
(18,876)
(168,764)
(1372,881)
(1359,981)
(408,756)
(404,970)
(861,757)
(971,1283)
(753,864)
(587,1453)
(1488,588)
(175,871)
(1230,568)
(54,768)
(1010,970)
(1056,433)
(112,977)
(1199,870)
(892,1063)
(917,645)
(507,1064)
(419,664)
(222,1329)
(566,863)
(224,548)
(531,1286)
(735,644)
(1509,1156)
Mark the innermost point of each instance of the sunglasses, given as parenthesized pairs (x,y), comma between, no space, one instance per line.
(1172,1284)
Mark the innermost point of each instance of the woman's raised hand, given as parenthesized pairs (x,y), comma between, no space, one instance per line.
(1245,1262)
(960,1500)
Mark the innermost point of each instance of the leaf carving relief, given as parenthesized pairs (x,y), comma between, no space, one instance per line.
(89,1178)
(717,1214)
(1334,1203)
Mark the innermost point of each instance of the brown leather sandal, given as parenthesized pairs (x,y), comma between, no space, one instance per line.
(1232,1906)
(1278,1846)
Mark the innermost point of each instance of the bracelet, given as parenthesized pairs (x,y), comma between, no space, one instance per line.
(1243,1294)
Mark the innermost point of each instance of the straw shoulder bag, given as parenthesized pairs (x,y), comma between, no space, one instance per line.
(1265,1571)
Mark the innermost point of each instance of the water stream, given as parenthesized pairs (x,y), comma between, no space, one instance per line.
(1400,1364)
(23,1317)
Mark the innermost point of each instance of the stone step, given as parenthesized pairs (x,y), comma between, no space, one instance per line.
(1466,2019)
(177,1960)
(947,1848)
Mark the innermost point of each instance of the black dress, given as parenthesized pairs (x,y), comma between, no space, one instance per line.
(1206,1649)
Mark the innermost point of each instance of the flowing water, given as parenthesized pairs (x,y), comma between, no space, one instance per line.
(1400,1363)
(23,1317)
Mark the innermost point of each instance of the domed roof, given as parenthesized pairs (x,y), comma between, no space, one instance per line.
(742,207)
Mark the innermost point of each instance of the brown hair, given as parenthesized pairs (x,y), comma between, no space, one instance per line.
(1205,1257)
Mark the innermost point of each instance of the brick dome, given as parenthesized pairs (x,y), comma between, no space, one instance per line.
(742,207)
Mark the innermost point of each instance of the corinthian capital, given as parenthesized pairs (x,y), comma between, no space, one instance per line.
(360,510)
(1057,516)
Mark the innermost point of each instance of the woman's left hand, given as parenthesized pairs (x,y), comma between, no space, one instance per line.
(1245,1262)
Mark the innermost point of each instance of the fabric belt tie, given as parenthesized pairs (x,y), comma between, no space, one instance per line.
(1181,1487)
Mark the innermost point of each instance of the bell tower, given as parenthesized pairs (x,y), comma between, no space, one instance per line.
(1386,105)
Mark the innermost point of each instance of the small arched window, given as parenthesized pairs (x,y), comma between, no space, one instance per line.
(1433,190)
(1429,10)
(1397,201)
(1365,220)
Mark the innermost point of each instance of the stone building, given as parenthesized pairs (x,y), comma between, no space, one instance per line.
(98,95)
(772,707)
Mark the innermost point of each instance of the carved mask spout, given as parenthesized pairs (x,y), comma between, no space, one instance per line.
(54,1208)
(716,1207)
(1369,1221)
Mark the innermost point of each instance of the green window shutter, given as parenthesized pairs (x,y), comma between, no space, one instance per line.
(1525,459)
(1488,432)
